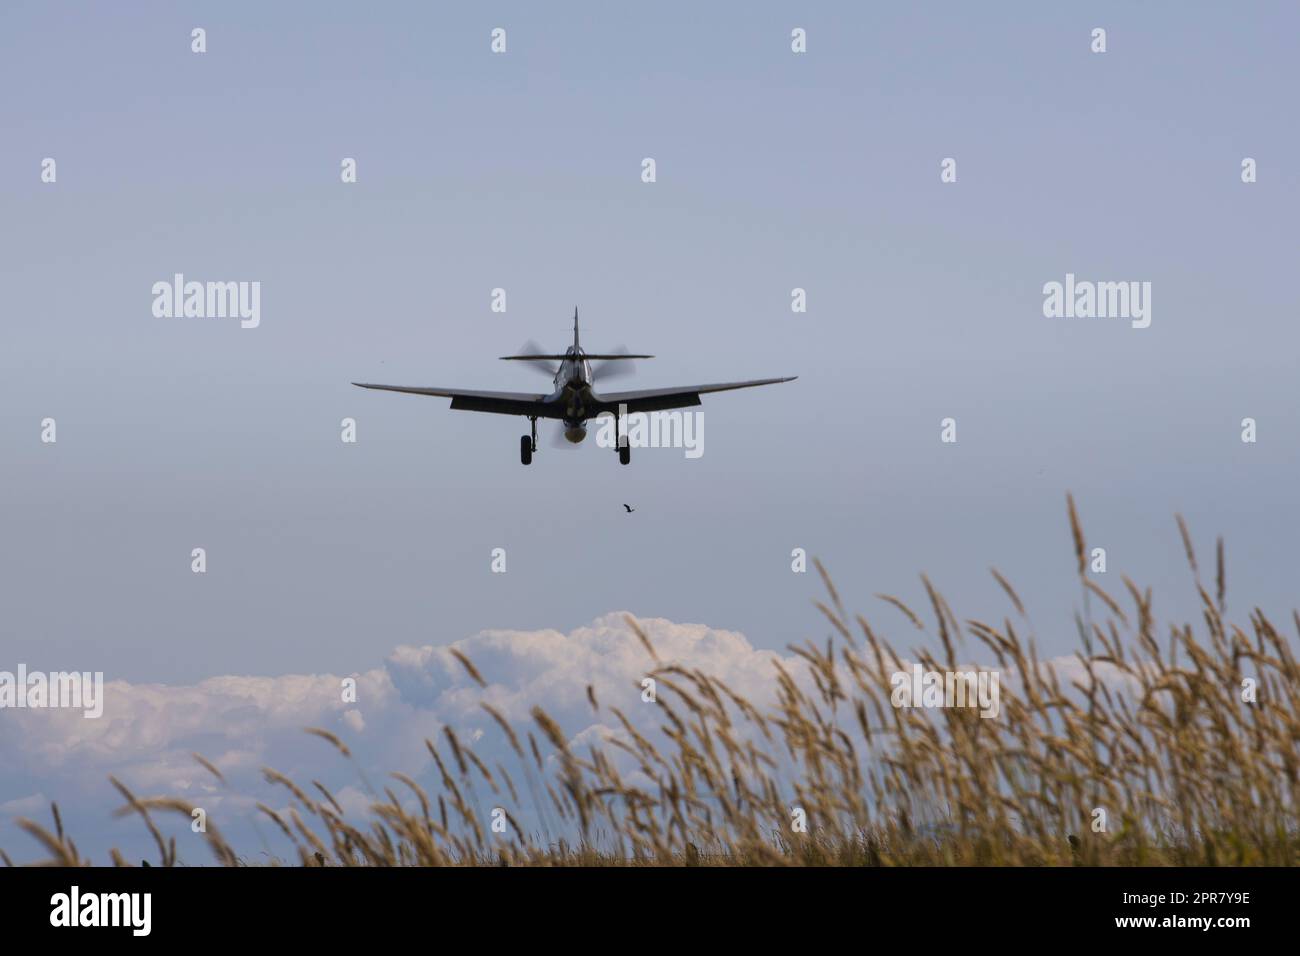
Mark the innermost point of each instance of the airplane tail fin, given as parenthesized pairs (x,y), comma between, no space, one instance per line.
(533,354)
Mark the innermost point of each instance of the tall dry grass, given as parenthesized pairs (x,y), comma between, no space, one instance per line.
(1152,729)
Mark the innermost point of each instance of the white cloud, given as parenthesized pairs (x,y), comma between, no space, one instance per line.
(243,723)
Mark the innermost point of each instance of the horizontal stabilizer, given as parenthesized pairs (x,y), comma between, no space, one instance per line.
(561,358)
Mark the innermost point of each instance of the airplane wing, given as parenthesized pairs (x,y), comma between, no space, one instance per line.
(657,399)
(503,403)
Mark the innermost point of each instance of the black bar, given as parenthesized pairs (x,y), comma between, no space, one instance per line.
(945,907)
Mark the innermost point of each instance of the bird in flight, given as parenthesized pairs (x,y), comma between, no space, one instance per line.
(574,399)
(629,508)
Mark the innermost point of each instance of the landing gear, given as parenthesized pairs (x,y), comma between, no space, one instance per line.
(528,445)
(624,449)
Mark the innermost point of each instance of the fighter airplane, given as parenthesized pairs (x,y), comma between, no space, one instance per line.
(574,399)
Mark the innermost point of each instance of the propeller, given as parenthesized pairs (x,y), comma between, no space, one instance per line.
(613,368)
(544,366)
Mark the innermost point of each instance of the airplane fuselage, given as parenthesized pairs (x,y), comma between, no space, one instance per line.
(573,389)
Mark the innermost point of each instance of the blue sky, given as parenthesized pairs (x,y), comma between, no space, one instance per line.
(522,171)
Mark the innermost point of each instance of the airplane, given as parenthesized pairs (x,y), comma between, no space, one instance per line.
(575,400)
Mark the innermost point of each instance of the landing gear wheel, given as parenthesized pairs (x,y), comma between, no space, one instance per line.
(526,450)
(624,454)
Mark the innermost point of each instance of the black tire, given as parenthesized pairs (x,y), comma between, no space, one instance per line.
(526,450)
(624,454)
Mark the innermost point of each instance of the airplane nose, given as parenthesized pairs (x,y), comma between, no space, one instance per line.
(575,433)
